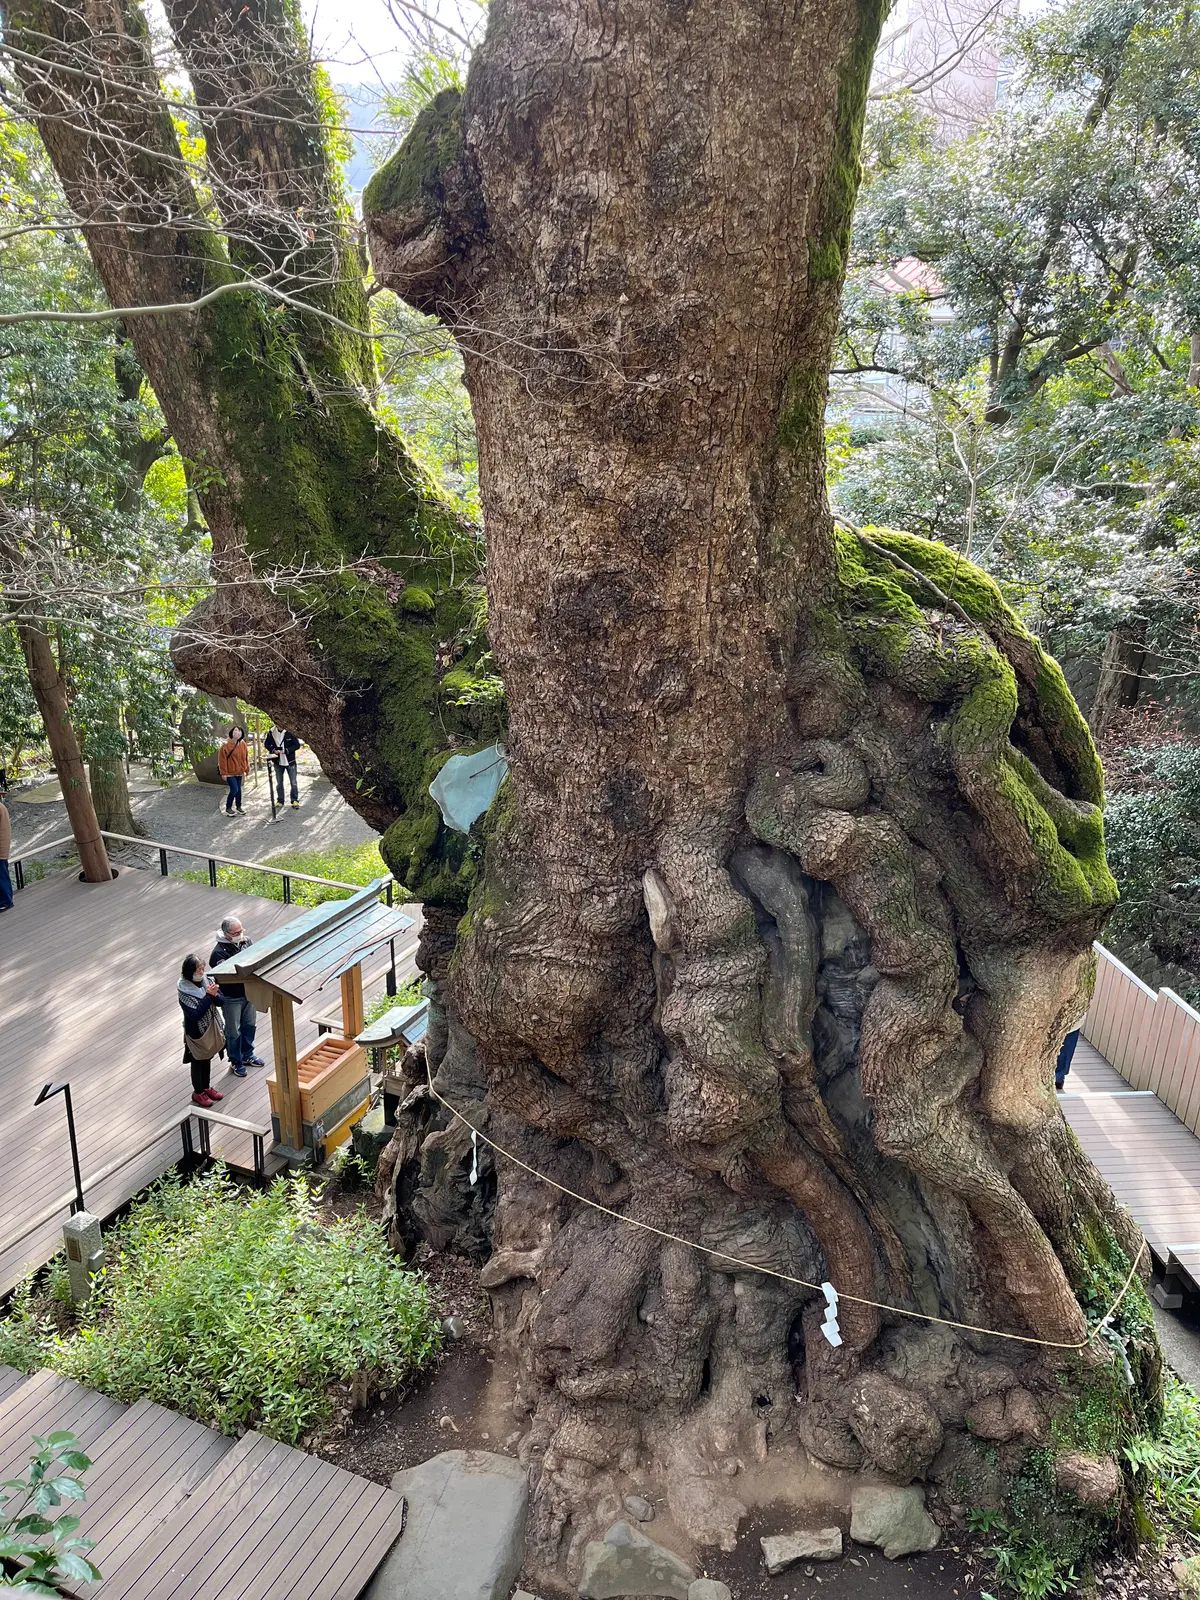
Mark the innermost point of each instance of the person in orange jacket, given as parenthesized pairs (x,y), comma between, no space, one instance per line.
(233,763)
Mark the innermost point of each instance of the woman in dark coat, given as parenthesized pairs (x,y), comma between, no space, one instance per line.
(197,997)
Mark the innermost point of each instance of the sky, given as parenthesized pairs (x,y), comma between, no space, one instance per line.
(357,39)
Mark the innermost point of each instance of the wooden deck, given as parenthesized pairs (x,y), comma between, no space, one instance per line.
(87,994)
(179,1512)
(1149,1158)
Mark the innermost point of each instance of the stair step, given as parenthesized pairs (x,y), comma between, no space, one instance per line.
(143,1467)
(46,1403)
(10,1379)
(269,1523)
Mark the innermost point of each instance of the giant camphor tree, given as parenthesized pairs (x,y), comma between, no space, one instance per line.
(790,895)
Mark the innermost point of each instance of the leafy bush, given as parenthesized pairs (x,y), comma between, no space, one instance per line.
(240,1311)
(1168,1465)
(43,1549)
(348,863)
(1153,839)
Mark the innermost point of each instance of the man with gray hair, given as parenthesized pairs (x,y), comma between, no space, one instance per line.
(241,1018)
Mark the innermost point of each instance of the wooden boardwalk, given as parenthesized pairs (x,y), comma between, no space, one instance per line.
(87,994)
(1150,1160)
(179,1512)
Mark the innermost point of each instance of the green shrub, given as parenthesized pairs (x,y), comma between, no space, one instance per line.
(240,1311)
(1167,1465)
(347,863)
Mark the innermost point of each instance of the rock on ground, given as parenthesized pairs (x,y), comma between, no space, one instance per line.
(639,1508)
(806,1544)
(626,1562)
(706,1589)
(464,1533)
(895,1519)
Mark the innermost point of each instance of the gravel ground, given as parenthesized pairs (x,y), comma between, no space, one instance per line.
(192,814)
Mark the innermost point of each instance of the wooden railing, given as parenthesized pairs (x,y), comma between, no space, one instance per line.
(1152,1039)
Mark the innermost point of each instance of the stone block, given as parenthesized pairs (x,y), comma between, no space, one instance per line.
(895,1519)
(625,1562)
(371,1137)
(806,1544)
(709,1589)
(465,1530)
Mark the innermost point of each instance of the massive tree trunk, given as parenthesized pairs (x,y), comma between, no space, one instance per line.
(791,894)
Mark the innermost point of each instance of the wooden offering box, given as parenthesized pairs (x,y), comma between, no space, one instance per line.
(335,1091)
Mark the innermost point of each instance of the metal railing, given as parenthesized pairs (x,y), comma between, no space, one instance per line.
(66,1202)
(177,1124)
(213,861)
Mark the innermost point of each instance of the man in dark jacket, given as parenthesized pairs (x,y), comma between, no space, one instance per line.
(282,744)
(241,1019)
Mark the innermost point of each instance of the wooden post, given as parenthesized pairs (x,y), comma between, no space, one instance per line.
(352,1002)
(287,1080)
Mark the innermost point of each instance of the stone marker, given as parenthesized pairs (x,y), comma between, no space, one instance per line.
(895,1519)
(708,1589)
(464,1533)
(625,1562)
(806,1544)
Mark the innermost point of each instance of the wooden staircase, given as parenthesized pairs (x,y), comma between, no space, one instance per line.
(177,1510)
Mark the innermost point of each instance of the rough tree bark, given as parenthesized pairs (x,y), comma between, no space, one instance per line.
(53,704)
(792,896)
(109,790)
(1119,684)
(342,603)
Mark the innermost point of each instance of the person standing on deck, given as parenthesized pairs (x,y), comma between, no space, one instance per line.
(281,746)
(203,1037)
(1067,1052)
(241,1018)
(233,763)
(6,889)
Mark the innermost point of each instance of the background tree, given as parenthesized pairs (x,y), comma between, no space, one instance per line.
(793,889)
(1049,424)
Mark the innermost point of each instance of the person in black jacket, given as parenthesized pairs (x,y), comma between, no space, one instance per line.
(197,997)
(281,745)
(241,1019)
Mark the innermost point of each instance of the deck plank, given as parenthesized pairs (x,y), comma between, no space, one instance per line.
(87,962)
(1142,1150)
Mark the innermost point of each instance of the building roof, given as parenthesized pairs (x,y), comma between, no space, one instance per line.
(313,951)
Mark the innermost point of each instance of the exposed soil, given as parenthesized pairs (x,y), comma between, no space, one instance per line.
(461,1402)
(942,1575)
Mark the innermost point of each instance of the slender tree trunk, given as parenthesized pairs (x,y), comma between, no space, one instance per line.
(110,795)
(50,693)
(1119,684)
(791,897)
(1193,376)
(295,476)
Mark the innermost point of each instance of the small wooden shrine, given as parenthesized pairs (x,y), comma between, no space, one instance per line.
(316,1097)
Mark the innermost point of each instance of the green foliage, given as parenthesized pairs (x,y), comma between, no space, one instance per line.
(42,1550)
(110,565)
(346,863)
(1166,1464)
(240,1311)
(1153,832)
